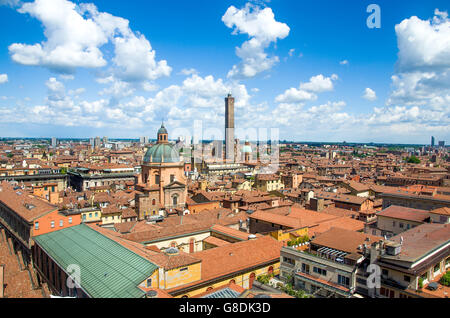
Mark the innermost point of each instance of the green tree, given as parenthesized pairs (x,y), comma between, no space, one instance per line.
(445,279)
(413,159)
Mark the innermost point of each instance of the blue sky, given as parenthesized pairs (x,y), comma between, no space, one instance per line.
(313,69)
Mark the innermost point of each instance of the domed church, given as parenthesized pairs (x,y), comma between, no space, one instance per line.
(162,184)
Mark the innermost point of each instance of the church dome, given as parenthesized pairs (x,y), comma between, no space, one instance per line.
(162,153)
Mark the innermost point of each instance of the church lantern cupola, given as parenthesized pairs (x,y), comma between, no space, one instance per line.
(163,136)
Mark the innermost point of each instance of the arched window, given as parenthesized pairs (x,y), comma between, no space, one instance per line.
(251,280)
(270,271)
(185,296)
(153,202)
(175,200)
(209,289)
(191,245)
(232,281)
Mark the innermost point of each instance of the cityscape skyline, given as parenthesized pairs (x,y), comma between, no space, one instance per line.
(287,68)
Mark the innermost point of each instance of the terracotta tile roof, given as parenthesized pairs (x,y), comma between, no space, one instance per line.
(230,232)
(169,262)
(287,221)
(420,240)
(128,213)
(24,204)
(339,212)
(111,209)
(167,232)
(124,227)
(404,213)
(344,240)
(268,177)
(341,197)
(230,258)
(358,186)
(17,282)
(441,211)
(215,241)
(344,222)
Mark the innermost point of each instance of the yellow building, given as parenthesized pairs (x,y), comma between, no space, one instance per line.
(90,215)
(268,182)
(187,275)
(111,215)
(289,235)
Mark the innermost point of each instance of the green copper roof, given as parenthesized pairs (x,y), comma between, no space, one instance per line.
(162,153)
(162,130)
(108,270)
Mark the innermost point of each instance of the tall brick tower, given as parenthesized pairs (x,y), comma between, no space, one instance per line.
(229,128)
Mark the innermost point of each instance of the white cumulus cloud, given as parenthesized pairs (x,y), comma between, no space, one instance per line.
(75,35)
(3,78)
(263,29)
(369,94)
(307,91)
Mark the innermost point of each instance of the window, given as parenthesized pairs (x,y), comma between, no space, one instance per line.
(305,268)
(149,282)
(172,178)
(70,220)
(320,271)
(61,223)
(157,179)
(406,278)
(401,225)
(393,223)
(408,226)
(52,224)
(96,214)
(84,217)
(437,267)
(90,215)
(183,269)
(36,226)
(288,260)
(384,272)
(344,281)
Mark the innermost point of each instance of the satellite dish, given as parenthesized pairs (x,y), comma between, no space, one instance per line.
(151,294)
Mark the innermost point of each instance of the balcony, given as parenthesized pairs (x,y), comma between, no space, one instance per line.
(314,258)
